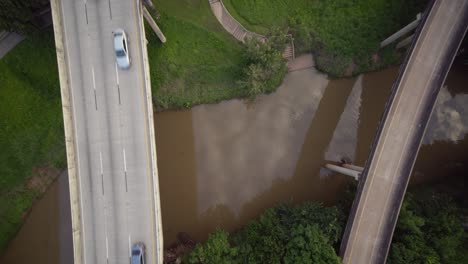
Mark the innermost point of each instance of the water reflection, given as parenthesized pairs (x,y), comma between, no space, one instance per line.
(239,150)
(448,120)
(444,151)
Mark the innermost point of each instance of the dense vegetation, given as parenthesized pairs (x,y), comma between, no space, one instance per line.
(343,35)
(19,15)
(201,63)
(284,234)
(429,230)
(31,130)
(265,67)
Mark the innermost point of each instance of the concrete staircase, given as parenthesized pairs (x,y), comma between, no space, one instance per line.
(239,33)
(288,53)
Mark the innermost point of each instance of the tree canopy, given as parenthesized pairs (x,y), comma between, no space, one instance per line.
(17,15)
(265,67)
(429,230)
(284,234)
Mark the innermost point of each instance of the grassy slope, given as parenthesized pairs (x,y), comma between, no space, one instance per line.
(199,63)
(343,31)
(31,130)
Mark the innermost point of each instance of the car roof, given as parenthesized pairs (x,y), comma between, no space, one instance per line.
(118,36)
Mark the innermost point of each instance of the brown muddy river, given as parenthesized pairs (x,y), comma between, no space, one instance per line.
(222,165)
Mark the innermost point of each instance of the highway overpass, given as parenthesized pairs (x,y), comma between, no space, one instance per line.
(385,178)
(108,119)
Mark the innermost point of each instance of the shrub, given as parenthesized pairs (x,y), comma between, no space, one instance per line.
(265,66)
(429,230)
(216,250)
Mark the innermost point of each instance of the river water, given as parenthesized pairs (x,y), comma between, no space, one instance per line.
(222,165)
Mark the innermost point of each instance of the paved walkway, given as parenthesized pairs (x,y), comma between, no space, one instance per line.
(302,62)
(8,40)
(241,33)
(230,23)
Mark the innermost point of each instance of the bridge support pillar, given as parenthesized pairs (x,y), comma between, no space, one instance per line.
(346,171)
(401,32)
(353,167)
(153,25)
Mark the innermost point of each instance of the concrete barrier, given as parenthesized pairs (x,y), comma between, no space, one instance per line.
(70,141)
(152,138)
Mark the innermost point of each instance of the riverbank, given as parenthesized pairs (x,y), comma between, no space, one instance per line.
(31,130)
(46,234)
(199,64)
(232,160)
(343,37)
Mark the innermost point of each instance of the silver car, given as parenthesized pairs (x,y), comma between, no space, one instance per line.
(138,253)
(121,49)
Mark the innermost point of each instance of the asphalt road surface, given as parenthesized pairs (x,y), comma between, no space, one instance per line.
(391,163)
(118,197)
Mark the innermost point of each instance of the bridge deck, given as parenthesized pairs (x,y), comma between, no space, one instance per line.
(109,130)
(381,190)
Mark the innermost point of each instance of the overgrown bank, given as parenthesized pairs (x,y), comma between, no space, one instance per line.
(285,234)
(343,35)
(31,129)
(429,230)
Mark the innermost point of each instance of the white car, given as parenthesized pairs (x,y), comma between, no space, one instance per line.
(121,49)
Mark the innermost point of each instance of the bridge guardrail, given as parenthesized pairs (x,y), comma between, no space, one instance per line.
(68,124)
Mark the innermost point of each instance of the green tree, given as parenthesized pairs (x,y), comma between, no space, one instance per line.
(429,230)
(217,250)
(408,244)
(309,245)
(265,66)
(273,237)
(18,15)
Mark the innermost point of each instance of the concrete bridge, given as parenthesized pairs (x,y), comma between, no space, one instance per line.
(383,182)
(109,131)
